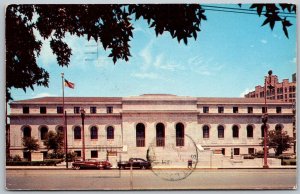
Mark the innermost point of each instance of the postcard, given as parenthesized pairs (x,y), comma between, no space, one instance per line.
(182,96)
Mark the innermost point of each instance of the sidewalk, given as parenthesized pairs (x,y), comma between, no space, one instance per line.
(63,167)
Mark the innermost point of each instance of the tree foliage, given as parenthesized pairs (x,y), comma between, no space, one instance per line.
(111,24)
(54,141)
(30,144)
(278,140)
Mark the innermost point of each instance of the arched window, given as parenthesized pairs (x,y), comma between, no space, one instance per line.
(160,135)
(205,131)
(179,134)
(60,129)
(278,127)
(26,131)
(110,132)
(94,132)
(140,135)
(249,131)
(43,131)
(220,131)
(235,131)
(77,132)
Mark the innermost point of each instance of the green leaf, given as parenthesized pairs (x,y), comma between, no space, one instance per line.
(195,34)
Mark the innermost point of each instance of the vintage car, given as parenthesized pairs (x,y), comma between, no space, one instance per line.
(91,163)
(135,162)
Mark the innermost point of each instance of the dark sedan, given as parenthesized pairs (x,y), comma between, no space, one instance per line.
(136,163)
(91,163)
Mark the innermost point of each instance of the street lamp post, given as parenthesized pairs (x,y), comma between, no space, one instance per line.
(82,113)
(265,117)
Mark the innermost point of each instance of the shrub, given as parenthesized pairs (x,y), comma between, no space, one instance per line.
(16,158)
(71,156)
(248,157)
(33,163)
(288,162)
(55,155)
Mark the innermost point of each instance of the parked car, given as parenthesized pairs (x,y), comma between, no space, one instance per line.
(135,162)
(91,163)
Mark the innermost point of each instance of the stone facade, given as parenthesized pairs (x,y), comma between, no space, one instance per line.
(140,121)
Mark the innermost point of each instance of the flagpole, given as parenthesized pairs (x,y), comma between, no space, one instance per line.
(64,117)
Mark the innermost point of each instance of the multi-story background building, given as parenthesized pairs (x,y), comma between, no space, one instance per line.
(129,125)
(284,91)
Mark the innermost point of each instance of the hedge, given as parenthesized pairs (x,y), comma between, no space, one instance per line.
(288,162)
(47,162)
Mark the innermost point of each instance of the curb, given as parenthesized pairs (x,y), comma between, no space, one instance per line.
(238,168)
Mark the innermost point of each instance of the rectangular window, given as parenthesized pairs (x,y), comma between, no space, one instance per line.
(109,109)
(94,153)
(236,151)
(264,109)
(223,151)
(78,153)
(262,94)
(220,109)
(25,110)
(250,110)
(250,150)
(278,109)
(93,110)
(59,110)
(43,110)
(205,109)
(76,110)
(27,155)
(235,109)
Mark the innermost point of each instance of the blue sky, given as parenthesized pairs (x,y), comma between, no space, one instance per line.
(231,55)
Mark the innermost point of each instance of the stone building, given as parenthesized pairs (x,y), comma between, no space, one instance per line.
(127,126)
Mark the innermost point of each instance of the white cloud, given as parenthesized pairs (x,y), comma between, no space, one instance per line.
(277,36)
(264,41)
(146,75)
(40,95)
(146,55)
(294,60)
(204,67)
(159,62)
(246,91)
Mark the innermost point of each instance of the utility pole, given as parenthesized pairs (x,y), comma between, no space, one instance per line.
(82,111)
(265,117)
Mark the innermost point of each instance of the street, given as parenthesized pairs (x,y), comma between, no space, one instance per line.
(147,179)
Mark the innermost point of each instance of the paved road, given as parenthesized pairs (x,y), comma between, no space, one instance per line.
(146,179)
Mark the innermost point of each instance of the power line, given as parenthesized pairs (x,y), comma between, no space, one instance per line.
(249,10)
(241,11)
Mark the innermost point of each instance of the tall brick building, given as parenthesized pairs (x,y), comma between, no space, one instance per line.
(284,91)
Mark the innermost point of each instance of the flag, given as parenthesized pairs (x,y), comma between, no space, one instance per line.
(69,84)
